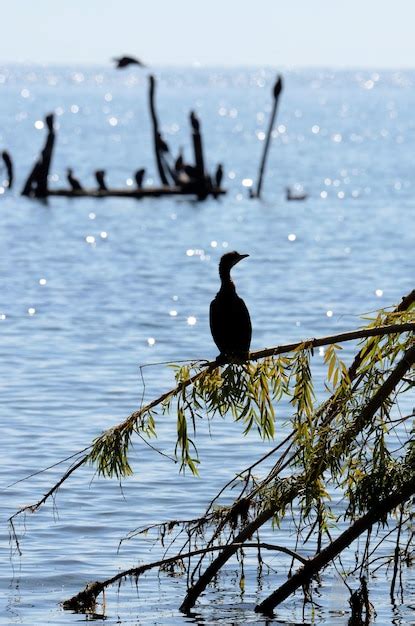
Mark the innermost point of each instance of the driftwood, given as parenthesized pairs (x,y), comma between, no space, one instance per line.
(197,184)
(275,94)
(156,133)
(143,192)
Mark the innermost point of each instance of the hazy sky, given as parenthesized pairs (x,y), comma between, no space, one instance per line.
(355,33)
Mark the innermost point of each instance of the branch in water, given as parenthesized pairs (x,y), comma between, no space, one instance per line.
(85,600)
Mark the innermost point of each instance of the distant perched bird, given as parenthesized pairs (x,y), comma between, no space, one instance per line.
(179,162)
(190,170)
(74,182)
(218,175)
(230,323)
(161,144)
(139,177)
(194,122)
(100,178)
(122,62)
(292,195)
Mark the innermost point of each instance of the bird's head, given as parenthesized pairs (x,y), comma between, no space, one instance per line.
(69,171)
(229,260)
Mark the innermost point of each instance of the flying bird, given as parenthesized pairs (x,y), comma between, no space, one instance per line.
(230,323)
(122,62)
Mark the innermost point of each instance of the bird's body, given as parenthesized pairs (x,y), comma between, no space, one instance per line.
(122,62)
(219,175)
(230,323)
(161,144)
(74,182)
(290,195)
(100,178)
(139,177)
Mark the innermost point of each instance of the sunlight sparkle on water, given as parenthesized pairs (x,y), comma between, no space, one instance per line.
(379,293)
(74,108)
(92,216)
(39,124)
(329,313)
(90,239)
(292,237)
(113,121)
(214,244)
(2,317)
(247,182)
(191,320)
(42,281)
(103,234)
(31,310)
(151,341)
(173,313)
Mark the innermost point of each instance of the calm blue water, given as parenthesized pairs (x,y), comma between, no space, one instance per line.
(92,289)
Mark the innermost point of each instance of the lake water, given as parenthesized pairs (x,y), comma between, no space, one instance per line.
(92,289)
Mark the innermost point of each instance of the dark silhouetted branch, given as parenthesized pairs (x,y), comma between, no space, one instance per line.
(275,94)
(156,132)
(85,600)
(292,486)
(321,560)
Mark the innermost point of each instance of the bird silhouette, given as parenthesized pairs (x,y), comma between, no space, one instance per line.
(292,195)
(74,182)
(122,62)
(219,175)
(194,122)
(100,178)
(139,177)
(161,144)
(179,162)
(230,323)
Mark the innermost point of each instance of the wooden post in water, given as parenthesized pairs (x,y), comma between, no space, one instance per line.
(156,133)
(36,184)
(276,94)
(197,147)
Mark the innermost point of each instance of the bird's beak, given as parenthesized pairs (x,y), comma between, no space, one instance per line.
(243,256)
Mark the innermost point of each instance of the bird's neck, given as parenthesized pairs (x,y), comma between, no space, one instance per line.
(226,281)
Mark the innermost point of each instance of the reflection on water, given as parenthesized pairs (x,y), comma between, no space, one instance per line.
(93,289)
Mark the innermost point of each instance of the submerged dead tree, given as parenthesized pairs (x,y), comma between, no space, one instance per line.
(343,443)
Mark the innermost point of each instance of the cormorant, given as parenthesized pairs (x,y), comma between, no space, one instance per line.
(230,323)
(100,177)
(219,175)
(122,62)
(161,144)
(190,170)
(290,195)
(139,176)
(74,182)
(179,162)
(194,122)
